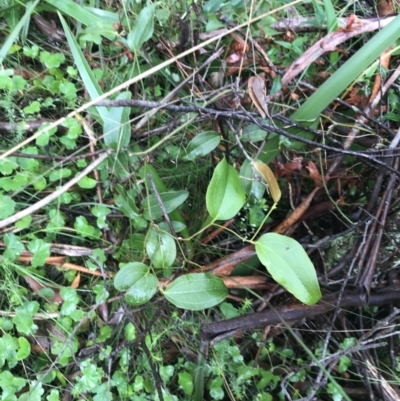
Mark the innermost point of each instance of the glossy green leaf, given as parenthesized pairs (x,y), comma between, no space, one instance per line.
(143,29)
(137,281)
(117,129)
(142,291)
(129,275)
(161,248)
(170,200)
(201,145)
(290,266)
(196,291)
(225,195)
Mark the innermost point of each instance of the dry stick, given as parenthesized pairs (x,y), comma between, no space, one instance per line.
(292,313)
(367,273)
(337,309)
(143,75)
(53,196)
(329,43)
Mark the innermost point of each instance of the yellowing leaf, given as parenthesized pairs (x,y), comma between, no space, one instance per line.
(269,177)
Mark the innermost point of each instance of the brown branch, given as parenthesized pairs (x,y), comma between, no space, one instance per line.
(293,313)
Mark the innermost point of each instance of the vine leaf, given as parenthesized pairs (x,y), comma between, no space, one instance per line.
(225,195)
(290,266)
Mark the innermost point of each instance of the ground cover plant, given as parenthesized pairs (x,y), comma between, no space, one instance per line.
(199,200)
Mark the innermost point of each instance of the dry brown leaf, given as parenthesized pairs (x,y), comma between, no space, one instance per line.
(257,94)
(75,283)
(315,174)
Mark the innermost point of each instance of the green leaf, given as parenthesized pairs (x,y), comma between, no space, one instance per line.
(201,145)
(129,275)
(139,283)
(161,248)
(7,206)
(330,16)
(40,250)
(290,266)
(34,393)
(51,60)
(85,72)
(117,129)
(33,108)
(68,89)
(185,380)
(23,317)
(24,349)
(171,201)
(225,195)
(196,291)
(7,43)
(143,29)
(14,246)
(53,396)
(58,175)
(71,299)
(82,227)
(7,166)
(87,183)
(142,291)
(101,213)
(251,187)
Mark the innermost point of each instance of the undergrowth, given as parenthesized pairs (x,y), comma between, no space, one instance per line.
(209,183)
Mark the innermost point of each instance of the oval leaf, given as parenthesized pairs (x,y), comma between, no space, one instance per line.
(161,248)
(171,201)
(129,275)
(142,291)
(143,29)
(290,266)
(225,195)
(87,182)
(196,291)
(269,177)
(201,145)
